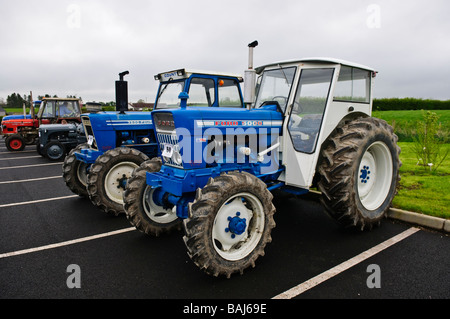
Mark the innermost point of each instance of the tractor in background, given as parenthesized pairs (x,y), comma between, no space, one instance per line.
(20,132)
(56,140)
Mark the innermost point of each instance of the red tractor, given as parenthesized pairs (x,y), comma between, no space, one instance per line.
(21,132)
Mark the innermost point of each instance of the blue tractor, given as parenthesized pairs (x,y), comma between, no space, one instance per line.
(309,125)
(118,142)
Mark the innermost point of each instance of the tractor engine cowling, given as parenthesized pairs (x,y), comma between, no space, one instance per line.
(198,143)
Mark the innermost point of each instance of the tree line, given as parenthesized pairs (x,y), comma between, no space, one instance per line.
(397,104)
(16,100)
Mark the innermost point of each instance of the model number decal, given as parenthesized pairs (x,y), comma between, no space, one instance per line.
(227,123)
(131,122)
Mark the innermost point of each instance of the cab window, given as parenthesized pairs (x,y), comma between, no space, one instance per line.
(201,92)
(353,85)
(67,108)
(48,110)
(229,94)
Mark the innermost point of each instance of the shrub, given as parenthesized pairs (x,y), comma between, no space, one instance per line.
(427,145)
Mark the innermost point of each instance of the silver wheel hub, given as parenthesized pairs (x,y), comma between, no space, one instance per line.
(116,179)
(155,212)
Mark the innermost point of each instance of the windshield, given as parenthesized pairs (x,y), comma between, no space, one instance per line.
(168,95)
(68,108)
(275,86)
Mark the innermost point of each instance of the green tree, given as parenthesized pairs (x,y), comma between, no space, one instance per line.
(14,101)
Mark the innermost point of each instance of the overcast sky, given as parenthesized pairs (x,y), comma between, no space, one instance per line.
(79,47)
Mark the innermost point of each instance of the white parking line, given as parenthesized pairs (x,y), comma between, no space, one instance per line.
(66,243)
(14,158)
(8,152)
(301,288)
(34,165)
(31,180)
(37,201)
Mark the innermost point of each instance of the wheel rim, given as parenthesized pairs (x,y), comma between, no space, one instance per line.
(238,226)
(55,152)
(116,178)
(15,144)
(155,212)
(82,173)
(375,176)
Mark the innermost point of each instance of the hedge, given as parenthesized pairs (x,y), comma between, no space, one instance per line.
(395,104)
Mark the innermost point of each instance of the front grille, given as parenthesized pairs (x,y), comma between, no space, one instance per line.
(89,132)
(171,139)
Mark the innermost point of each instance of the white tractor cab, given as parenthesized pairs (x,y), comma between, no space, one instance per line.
(328,135)
(314,95)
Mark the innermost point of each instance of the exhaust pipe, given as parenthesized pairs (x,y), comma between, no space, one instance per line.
(250,78)
(122,94)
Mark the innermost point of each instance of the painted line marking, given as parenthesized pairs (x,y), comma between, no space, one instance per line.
(30,180)
(311,283)
(13,158)
(37,201)
(9,152)
(34,165)
(66,243)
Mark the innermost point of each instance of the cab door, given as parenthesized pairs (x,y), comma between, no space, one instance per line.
(304,119)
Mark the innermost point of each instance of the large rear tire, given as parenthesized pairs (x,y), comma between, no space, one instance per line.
(141,210)
(75,172)
(108,177)
(230,224)
(359,172)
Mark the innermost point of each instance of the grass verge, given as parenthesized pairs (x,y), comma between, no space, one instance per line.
(421,191)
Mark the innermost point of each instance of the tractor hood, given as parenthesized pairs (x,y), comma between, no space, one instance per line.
(113,121)
(195,118)
(58,127)
(197,127)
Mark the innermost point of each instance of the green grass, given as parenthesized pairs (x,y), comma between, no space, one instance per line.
(18,110)
(411,116)
(404,123)
(421,191)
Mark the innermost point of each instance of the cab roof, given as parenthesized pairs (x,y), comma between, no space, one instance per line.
(60,99)
(185,73)
(318,60)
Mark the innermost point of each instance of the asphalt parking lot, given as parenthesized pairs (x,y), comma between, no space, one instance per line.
(56,245)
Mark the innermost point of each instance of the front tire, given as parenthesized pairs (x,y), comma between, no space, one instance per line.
(141,210)
(359,172)
(75,172)
(230,224)
(108,177)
